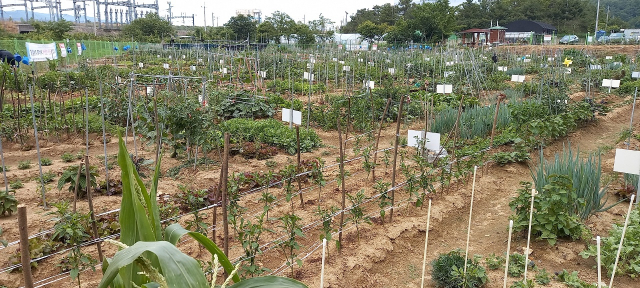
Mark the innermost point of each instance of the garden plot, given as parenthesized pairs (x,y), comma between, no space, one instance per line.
(486,121)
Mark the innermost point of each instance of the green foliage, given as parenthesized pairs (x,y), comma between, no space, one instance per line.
(384,200)
(68,157)
(53,29)
(2,241)
(474,122)
(503,158)
(69,176)
(69,227)
(46,162)
(151,28)
(326,216)
(523,284)
(543,277)
(494,262)
(516,265)
(629,263)
(290,225)
(242,106)
(24,165)
(8,203)
(448,268)
(356,211)
(584,174)
(271,132)
(16,185)
(572,280)
(552,218)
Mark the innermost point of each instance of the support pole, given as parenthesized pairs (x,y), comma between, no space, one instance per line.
(342,182)
(395,159)
(24,246)
(225,175)
(90,200)
(375,152)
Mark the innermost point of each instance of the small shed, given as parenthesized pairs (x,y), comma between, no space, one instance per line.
(497,34)
(25,28)
(474,37)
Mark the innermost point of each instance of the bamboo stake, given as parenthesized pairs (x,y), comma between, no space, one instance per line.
(526,263)
(375,153)
(473,191)
(506,264)
(77,187)
(25,256)
(495,117)
(395,159)
(342,182)
(225,174)
(90,200)
(298,167)
(426,240)
(624,231)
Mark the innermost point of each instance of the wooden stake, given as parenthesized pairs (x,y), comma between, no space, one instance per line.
(341,177)
(526,263)
(426,240)
(24,246)
(90,200)
(225,174)
(395,159)
(624,231)
(76,190)
(495,117)
(375,152)
(506,264)
(298,167)
(473,191)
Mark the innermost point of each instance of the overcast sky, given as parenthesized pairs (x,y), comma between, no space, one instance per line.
(223,10)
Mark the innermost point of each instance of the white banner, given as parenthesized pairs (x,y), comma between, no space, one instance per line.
(41,52)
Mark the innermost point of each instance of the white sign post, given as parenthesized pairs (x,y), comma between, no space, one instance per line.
(444,89)
(635,75)
(627,161)
(432,143)
(502,68)
(288,116)
(611,83)
(517,78)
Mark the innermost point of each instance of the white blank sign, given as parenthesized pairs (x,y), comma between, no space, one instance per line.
(369,84)
(297,116)
(392,71)
(608,57)
(444,89)
(610,83)
(308,76)
(263,74)
(224,70)
(141,65)
(165,66)
(346,68)
(450,63)
(221,61)
(502,68)
(627,161)
(635,75)
(517,78)
(567,70)
(527,60)
(448,73)
(432,143)
(193,68)
(595,67)
(149,90)
(550,59)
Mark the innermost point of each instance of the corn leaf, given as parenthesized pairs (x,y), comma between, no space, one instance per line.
(174,232)
(179,270)
(269,282)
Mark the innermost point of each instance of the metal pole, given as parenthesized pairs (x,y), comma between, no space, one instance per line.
(35,131)
(4,169)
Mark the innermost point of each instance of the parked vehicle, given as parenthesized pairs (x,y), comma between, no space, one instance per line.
(569,39)
(603,39)
(616,38)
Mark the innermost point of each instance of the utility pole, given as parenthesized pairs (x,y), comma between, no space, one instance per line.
(597,16)
(213,20)
(606,24)
(204,15)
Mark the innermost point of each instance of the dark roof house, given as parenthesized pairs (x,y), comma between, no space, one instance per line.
(536,27)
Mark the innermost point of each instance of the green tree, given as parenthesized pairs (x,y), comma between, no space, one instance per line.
(369,31)
(151,28)
(53,29)
(321,28)
(284,25)
(267,32)
(242,26)
(304,35)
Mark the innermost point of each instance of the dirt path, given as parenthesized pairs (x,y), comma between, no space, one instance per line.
(391,256)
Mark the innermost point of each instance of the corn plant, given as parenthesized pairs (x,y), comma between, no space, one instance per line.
(158,263)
